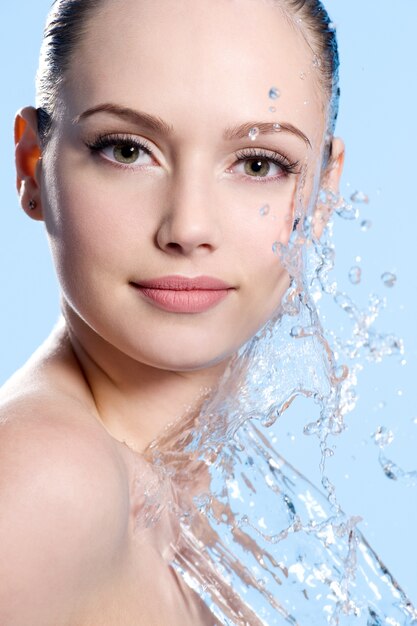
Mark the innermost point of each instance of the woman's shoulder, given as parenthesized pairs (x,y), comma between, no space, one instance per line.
(38,421)
(47,434)
(64,499)
(48,423)
(46,402)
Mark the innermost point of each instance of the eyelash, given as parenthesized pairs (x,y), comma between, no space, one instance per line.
(287,166)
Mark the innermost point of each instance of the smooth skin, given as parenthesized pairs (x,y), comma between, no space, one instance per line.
(117,369)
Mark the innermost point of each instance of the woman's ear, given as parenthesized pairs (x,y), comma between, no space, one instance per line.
(28,162)
(330,181)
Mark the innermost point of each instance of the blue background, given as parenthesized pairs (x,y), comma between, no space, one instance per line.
(378,122)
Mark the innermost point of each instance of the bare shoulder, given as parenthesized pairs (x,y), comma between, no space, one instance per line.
(64,500)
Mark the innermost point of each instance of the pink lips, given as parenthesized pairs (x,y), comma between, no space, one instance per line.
(179,294)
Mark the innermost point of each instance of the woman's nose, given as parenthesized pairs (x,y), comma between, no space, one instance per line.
(189,223)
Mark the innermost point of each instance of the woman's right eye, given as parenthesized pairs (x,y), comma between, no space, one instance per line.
(127,154)
(123,151)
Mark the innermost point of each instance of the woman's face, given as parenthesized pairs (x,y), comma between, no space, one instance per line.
(186,79)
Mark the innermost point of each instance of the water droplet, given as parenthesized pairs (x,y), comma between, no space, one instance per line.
(347,211)
(355,275)
(302,75)
(275,247)
(312,429)
(264,210)
(383,437)
(272,109)
(332,26)
(316,61)
(306,102)
(328,452)
(274,93)
(366,225)
(297,331)
(253,133)
(389,279)
(360,197)
(277,126)
(273,464)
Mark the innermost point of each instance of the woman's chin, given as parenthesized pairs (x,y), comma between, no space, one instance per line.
(192,362)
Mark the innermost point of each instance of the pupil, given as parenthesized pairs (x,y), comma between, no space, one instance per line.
(127,152)
(258,167)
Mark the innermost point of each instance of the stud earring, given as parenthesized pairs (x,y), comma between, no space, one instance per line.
(32,204)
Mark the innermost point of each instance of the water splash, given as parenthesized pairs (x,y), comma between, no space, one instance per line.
(337,204)
(395,472)
(383,437)
(256,540)
(359,197)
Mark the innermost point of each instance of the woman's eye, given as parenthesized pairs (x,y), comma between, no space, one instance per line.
(127,154)
(260,167)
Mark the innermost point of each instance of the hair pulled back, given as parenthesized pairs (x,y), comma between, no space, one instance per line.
(69,21)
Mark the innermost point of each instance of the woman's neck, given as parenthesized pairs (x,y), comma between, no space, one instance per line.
(135,402)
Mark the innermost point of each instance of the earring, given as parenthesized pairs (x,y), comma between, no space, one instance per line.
(32,204)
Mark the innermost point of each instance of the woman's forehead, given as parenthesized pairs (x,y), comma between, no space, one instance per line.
(211,59)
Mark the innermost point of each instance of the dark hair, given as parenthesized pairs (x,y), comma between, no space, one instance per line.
(66,25)
(320,33)
(69,20)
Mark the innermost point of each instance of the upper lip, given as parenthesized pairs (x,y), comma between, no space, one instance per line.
(183,283)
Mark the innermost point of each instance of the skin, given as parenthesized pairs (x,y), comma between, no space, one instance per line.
(118,368)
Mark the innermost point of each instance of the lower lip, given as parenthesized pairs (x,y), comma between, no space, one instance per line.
(187,301)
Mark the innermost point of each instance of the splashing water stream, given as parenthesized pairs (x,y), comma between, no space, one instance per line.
(256,540)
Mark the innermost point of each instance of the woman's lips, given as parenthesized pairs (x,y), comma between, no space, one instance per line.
(179,294)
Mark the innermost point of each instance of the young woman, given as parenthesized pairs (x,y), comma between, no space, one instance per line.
(164,130)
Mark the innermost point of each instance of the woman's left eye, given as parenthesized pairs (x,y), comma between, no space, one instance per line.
(263,166)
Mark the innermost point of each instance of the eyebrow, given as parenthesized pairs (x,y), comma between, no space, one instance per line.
(265,128)
(156,124)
